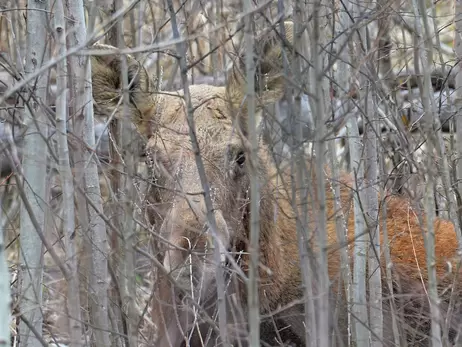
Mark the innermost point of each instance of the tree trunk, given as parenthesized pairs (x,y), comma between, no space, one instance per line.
(87,179)
(34,164)
(73,298)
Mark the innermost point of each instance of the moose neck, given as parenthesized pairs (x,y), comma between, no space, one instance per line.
(277,239)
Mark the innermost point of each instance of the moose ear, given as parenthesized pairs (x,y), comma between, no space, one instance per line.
(106,59)
(269,46)
(107,85)
(137,76)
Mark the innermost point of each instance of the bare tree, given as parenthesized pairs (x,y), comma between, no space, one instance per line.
(458,101)
(34,165)
(87,179)
(422,61)
(358,300)
(5,293)
(318,32)
(253,300)
(125,156)
(73,298)
(371,130)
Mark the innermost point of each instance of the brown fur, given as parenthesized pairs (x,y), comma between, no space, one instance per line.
(178,210)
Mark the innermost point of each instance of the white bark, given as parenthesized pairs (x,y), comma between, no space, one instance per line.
(128,147)
(371,130)
(424,60)
(372,205)
(73,298)
(358,300)
(341,228)
(5,293)
(34,164)
(458,99)
(87,174)
(318,29)
(387,256)
(253,300)
(359,307)
(343,71)
(302,188)
(443,166)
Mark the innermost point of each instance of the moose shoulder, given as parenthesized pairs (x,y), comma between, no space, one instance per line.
(178,212)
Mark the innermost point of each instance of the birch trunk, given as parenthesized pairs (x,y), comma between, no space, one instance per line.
(458,98)
(73,298)
(125,219)
(299,170)
(359,302)
(5,293)
(17,39)
(253,300)
(318,29)
(34,164)
(343,75)
(423,61)
(372,205)
(94,228)
(371,130)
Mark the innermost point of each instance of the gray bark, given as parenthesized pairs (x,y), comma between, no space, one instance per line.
(318,32)
(125,220)
(372,203)
(73,298)
(34,170)
(458,93)
(301,187)
(253,300)
(5,293)
(423,61)
(358,300)
(86,172)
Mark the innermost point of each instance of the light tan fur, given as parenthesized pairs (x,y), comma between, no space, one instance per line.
(178,210)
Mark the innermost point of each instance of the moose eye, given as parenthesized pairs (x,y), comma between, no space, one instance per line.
(240,158)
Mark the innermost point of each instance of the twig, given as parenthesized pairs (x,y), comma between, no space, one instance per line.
(218,248)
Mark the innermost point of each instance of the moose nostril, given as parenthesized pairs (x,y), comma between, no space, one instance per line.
(240,158)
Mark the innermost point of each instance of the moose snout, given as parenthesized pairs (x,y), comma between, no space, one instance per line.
(190,259)
(193,234)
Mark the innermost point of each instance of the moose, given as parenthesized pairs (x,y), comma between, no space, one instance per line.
(178,213)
